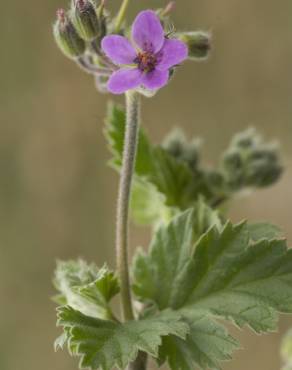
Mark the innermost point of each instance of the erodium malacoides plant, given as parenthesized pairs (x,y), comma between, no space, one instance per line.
(200,270)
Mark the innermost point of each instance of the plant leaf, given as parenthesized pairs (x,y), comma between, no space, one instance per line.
(86,288)
(106,344)
(158,275)
(225,275)
(148,204)
(263,230)
(207,344)
(204,218)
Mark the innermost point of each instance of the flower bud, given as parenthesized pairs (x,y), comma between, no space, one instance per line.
(199,44)
(232,161)
(262,174)
(191,154)
(267,153)
(233,169)
(246,139)
(177,145)
(174,143)
(66,36)
(264,167)
(85,19)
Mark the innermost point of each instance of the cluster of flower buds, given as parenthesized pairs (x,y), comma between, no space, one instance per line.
(81,26)
(177,145)
(80,30)
(78,33)
(249,162)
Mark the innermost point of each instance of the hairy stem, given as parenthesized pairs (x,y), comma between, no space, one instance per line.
(130,147)
(121,14)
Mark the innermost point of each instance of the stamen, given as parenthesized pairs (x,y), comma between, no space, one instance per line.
(146,61)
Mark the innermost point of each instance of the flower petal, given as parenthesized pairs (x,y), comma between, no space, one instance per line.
(118,49)
(124,79)
(173,52)
(155,80)
(147,31)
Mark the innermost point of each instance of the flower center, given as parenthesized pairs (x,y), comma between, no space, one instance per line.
(146,61)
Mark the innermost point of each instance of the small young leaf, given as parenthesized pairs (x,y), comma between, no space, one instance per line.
(106,344)
(226,274)
(86,288)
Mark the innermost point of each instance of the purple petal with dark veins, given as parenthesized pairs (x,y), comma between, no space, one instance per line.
(155,80)
(118,49)
(124,79)
(147,31)
(172,53)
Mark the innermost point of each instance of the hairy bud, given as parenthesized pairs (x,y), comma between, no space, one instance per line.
(249,162)
(177,145)
(67,37)
(174,143)
(85,19)
(233,168)
(199,44)
(246,139)
(264,169)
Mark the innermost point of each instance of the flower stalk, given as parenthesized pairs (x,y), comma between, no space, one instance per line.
(121,15)
(122,237)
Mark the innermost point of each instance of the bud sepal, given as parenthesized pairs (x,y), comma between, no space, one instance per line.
(198,42)
(66,36)
(85,19)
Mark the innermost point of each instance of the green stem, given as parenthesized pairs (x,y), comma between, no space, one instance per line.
(121,14)
(129,155)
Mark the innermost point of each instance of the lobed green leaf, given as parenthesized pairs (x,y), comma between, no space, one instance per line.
(226,274)
(107,344)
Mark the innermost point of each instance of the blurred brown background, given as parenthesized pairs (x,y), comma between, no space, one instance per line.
(57,196)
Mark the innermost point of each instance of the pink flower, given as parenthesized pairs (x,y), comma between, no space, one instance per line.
(145,62)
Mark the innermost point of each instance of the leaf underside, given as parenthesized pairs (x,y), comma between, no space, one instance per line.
(86,287)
